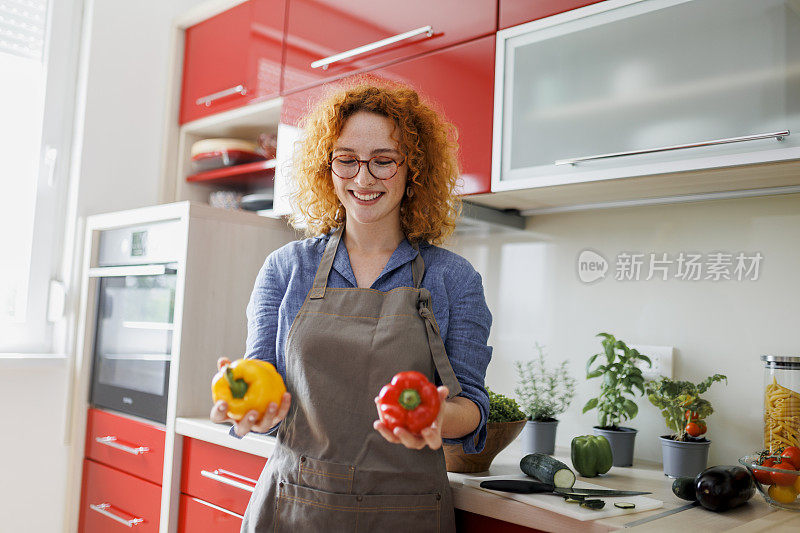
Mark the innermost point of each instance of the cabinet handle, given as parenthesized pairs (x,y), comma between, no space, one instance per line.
(102,508)
(132,270)
(207,100)
(218,508)
(778,136)
(111,441)
(324,62)
(215,475)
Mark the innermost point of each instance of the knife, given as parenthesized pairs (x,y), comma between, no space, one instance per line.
(522,486)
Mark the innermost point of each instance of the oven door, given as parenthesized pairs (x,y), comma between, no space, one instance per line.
(133,339)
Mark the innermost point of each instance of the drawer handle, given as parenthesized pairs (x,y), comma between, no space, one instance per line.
(778,136)
(207,100)
(324,62)
(102,508)
(218,508)
(111,441)
(216,475)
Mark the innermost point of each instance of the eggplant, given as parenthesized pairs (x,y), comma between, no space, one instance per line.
(720,488)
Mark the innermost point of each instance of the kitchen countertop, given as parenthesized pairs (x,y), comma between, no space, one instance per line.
(756,515)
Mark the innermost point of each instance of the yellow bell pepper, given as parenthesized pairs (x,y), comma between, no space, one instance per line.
(247,384)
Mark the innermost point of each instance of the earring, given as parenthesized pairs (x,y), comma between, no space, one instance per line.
(409,191)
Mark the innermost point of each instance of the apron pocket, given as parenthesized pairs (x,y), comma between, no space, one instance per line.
(303,509)
(420,513)
(325,475)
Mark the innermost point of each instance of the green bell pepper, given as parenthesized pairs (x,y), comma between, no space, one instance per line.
(591,455)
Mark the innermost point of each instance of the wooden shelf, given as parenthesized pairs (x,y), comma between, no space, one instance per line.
(260,173)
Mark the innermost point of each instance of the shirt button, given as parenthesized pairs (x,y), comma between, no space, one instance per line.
(359,497)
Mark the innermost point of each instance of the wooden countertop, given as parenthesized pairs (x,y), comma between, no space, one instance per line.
(756,515)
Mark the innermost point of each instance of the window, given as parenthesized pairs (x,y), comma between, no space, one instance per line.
(39,42)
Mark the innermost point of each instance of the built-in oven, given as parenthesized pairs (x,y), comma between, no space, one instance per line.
(135,289)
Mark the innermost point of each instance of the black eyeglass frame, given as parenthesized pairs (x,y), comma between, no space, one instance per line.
(367,161)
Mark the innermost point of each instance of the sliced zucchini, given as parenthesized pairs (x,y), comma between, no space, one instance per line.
(624,505)
(547,470)
(593,504)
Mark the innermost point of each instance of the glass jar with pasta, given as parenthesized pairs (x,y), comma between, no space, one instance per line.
(781,402)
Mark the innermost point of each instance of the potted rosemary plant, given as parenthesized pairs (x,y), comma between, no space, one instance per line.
(543,394)
(685,452)
(615,405)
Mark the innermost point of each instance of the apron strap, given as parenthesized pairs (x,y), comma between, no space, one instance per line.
(435,342)
(324,268)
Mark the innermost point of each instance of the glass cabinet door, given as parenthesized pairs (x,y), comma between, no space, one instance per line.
(134,332)
(640,76)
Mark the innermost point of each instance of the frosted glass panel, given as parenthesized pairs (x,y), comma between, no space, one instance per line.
(638,78)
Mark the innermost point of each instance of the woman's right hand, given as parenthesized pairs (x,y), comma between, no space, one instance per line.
(251,421)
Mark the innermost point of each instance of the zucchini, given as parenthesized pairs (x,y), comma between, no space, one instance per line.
(624,505)
(547,470)
(684,488)
(593,504)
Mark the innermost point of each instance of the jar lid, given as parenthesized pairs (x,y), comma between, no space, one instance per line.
(781,360)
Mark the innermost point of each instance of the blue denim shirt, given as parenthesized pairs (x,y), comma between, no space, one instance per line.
(459,307)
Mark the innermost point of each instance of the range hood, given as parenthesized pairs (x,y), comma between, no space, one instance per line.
(482,219)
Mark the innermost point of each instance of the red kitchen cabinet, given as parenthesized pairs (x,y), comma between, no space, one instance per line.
(116,501)
(199,516)
(219,475)
(459,82)
(513,12)
(319,29)
(125,444)
(233,58)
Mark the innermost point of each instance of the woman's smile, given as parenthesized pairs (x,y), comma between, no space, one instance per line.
(366,198)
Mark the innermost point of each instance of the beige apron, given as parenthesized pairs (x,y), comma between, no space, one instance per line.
(331,470)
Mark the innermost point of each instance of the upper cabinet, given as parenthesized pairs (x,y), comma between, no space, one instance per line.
(628,88)
(513,12)
(233,58)
(326,39)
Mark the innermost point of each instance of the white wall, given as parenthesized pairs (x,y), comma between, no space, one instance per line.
(119,168)
(723,327)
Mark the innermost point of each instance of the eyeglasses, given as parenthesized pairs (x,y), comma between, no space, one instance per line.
(381,167)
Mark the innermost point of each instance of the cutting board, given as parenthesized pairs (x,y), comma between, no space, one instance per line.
(552,502)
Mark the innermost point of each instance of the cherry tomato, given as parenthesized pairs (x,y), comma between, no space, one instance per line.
(693,429)
(691,414)
(792,454)
(763,476)
(782,494)
(783,479)
(703,427)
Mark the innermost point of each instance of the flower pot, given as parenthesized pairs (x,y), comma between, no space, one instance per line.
(622,442)
(683,459)
(539,437)
(498,436)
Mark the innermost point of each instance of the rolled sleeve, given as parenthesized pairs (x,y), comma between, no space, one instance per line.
(262,319)
(469,353)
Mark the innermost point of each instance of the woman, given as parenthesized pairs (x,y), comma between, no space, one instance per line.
(366,297)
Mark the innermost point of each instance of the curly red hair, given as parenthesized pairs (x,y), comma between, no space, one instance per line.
(429,142)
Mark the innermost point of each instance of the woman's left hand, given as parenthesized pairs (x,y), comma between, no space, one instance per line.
(430,436)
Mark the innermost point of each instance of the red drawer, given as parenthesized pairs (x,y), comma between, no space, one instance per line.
(116,501)
(199,516)
(219,475)
(125,444)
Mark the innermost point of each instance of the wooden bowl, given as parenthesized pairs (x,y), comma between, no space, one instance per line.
(498,436)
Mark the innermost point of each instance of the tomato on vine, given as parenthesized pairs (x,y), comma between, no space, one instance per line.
(792,454)
(781,478)
(693,429)
(763,476)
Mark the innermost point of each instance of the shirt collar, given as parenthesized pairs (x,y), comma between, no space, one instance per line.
(404,253)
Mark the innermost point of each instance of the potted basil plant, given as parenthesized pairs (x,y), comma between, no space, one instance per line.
(543,394)
(685,451)
(616,364)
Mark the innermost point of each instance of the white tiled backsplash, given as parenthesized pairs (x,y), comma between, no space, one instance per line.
(535,294)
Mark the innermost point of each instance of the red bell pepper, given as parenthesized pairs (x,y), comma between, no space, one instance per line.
(410,401)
